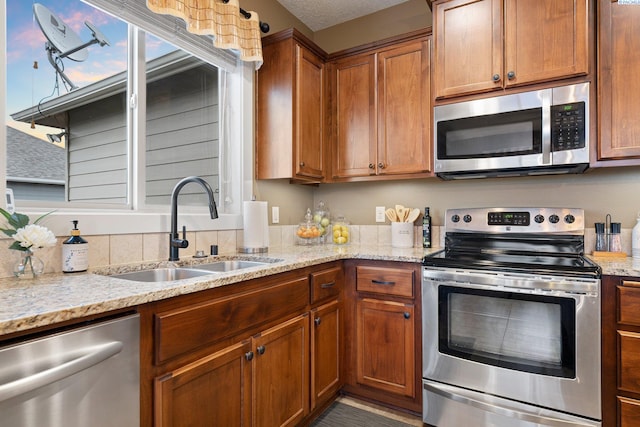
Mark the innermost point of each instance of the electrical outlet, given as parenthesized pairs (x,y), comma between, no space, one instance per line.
(275,214)
(380,214)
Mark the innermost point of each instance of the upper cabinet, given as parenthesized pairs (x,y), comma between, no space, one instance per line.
(291,109)
(486,45)
(381,111)
(618,88)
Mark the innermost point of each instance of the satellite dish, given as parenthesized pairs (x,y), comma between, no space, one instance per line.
(63,42)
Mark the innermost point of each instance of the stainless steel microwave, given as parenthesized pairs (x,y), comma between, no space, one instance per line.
(530,133)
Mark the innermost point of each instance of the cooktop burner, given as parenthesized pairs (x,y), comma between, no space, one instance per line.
(524,240)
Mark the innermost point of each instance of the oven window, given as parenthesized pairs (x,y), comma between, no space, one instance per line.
(524,332)
(496,135)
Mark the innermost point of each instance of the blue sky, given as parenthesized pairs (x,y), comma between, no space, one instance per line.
(27,86)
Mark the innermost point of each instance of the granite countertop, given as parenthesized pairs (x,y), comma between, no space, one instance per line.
(52,298)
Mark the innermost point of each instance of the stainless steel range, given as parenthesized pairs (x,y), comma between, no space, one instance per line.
(511,324)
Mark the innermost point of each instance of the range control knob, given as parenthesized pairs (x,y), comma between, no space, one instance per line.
(455,218)
(466,218)
(569,219)
(539,219)
(554,219)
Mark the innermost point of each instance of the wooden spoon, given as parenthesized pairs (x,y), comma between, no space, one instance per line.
(413,215)
(391,214)
(399,212)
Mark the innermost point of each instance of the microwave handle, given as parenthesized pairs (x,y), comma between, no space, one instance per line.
(546,96)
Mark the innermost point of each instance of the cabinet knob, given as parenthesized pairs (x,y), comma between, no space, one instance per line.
(260,349)
(496,77)
(381,165)
(249,355)
(511,75)
(317,321)
(407,315)
(301,164)
(371,166)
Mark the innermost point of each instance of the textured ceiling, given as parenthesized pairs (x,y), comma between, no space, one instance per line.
(321,14)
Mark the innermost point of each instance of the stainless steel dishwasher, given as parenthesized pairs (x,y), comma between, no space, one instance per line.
(89,376)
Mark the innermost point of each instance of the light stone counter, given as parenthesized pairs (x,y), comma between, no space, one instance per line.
(54,298)
(618,266)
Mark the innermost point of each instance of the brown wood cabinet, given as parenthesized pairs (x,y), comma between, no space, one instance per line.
(381,111)
(291,109)
(618,91)
(620,351)
(245,354)
(326,335)
(383,330)
(486,45)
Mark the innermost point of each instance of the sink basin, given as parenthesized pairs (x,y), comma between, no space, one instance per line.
(162,274)
(231,265)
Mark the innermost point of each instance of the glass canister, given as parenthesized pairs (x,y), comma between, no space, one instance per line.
(323,217)
(341,231)
(308,231)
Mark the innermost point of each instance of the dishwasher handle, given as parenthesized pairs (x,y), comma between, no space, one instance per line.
(89,357)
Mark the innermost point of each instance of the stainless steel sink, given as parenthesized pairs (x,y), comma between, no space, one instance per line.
(162,274)
(230,265)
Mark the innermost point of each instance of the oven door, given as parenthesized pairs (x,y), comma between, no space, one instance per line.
(514,336)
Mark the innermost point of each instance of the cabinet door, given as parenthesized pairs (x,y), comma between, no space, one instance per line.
(629,410)
(281,374)
(386,346)
(618,88)
(213,391)
(404,119)
(309,115)
(325,352)
(468,46)
(354,113)
(545,40)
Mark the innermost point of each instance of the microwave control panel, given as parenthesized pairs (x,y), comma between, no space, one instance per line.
(568,126)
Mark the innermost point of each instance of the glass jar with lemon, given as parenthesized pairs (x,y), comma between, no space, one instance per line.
(341,231)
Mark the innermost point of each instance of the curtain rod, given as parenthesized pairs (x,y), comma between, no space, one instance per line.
(264,27)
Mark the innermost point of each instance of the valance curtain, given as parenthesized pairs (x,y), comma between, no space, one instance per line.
(223,21)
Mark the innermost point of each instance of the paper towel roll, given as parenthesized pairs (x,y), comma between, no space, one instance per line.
(256,226)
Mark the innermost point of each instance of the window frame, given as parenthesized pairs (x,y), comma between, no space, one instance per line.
(136,217)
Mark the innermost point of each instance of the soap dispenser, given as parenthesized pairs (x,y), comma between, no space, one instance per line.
(75,252)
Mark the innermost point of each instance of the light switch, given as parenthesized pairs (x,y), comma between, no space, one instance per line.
(275,214)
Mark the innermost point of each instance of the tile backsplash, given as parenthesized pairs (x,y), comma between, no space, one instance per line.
(129,248)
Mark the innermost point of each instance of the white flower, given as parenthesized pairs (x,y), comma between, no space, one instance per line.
(34,236)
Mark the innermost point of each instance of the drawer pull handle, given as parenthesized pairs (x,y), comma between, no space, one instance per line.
(328,285)
(382,282)
(249,355)
(317,321)
(260,349)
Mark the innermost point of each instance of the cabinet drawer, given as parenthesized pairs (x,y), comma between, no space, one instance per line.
(385,280)
(629,412)
(326,283)
(629,361)
(182,330)
(629,303)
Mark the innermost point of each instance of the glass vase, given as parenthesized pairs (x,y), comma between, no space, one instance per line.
(27,265)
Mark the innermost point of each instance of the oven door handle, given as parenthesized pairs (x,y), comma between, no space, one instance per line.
(459,395)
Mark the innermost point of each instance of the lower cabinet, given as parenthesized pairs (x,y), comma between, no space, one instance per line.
(215,390)
(620,351)
(244,356)
(382,333)
(385,346)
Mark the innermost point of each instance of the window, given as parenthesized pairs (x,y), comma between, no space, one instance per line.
(144,113)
